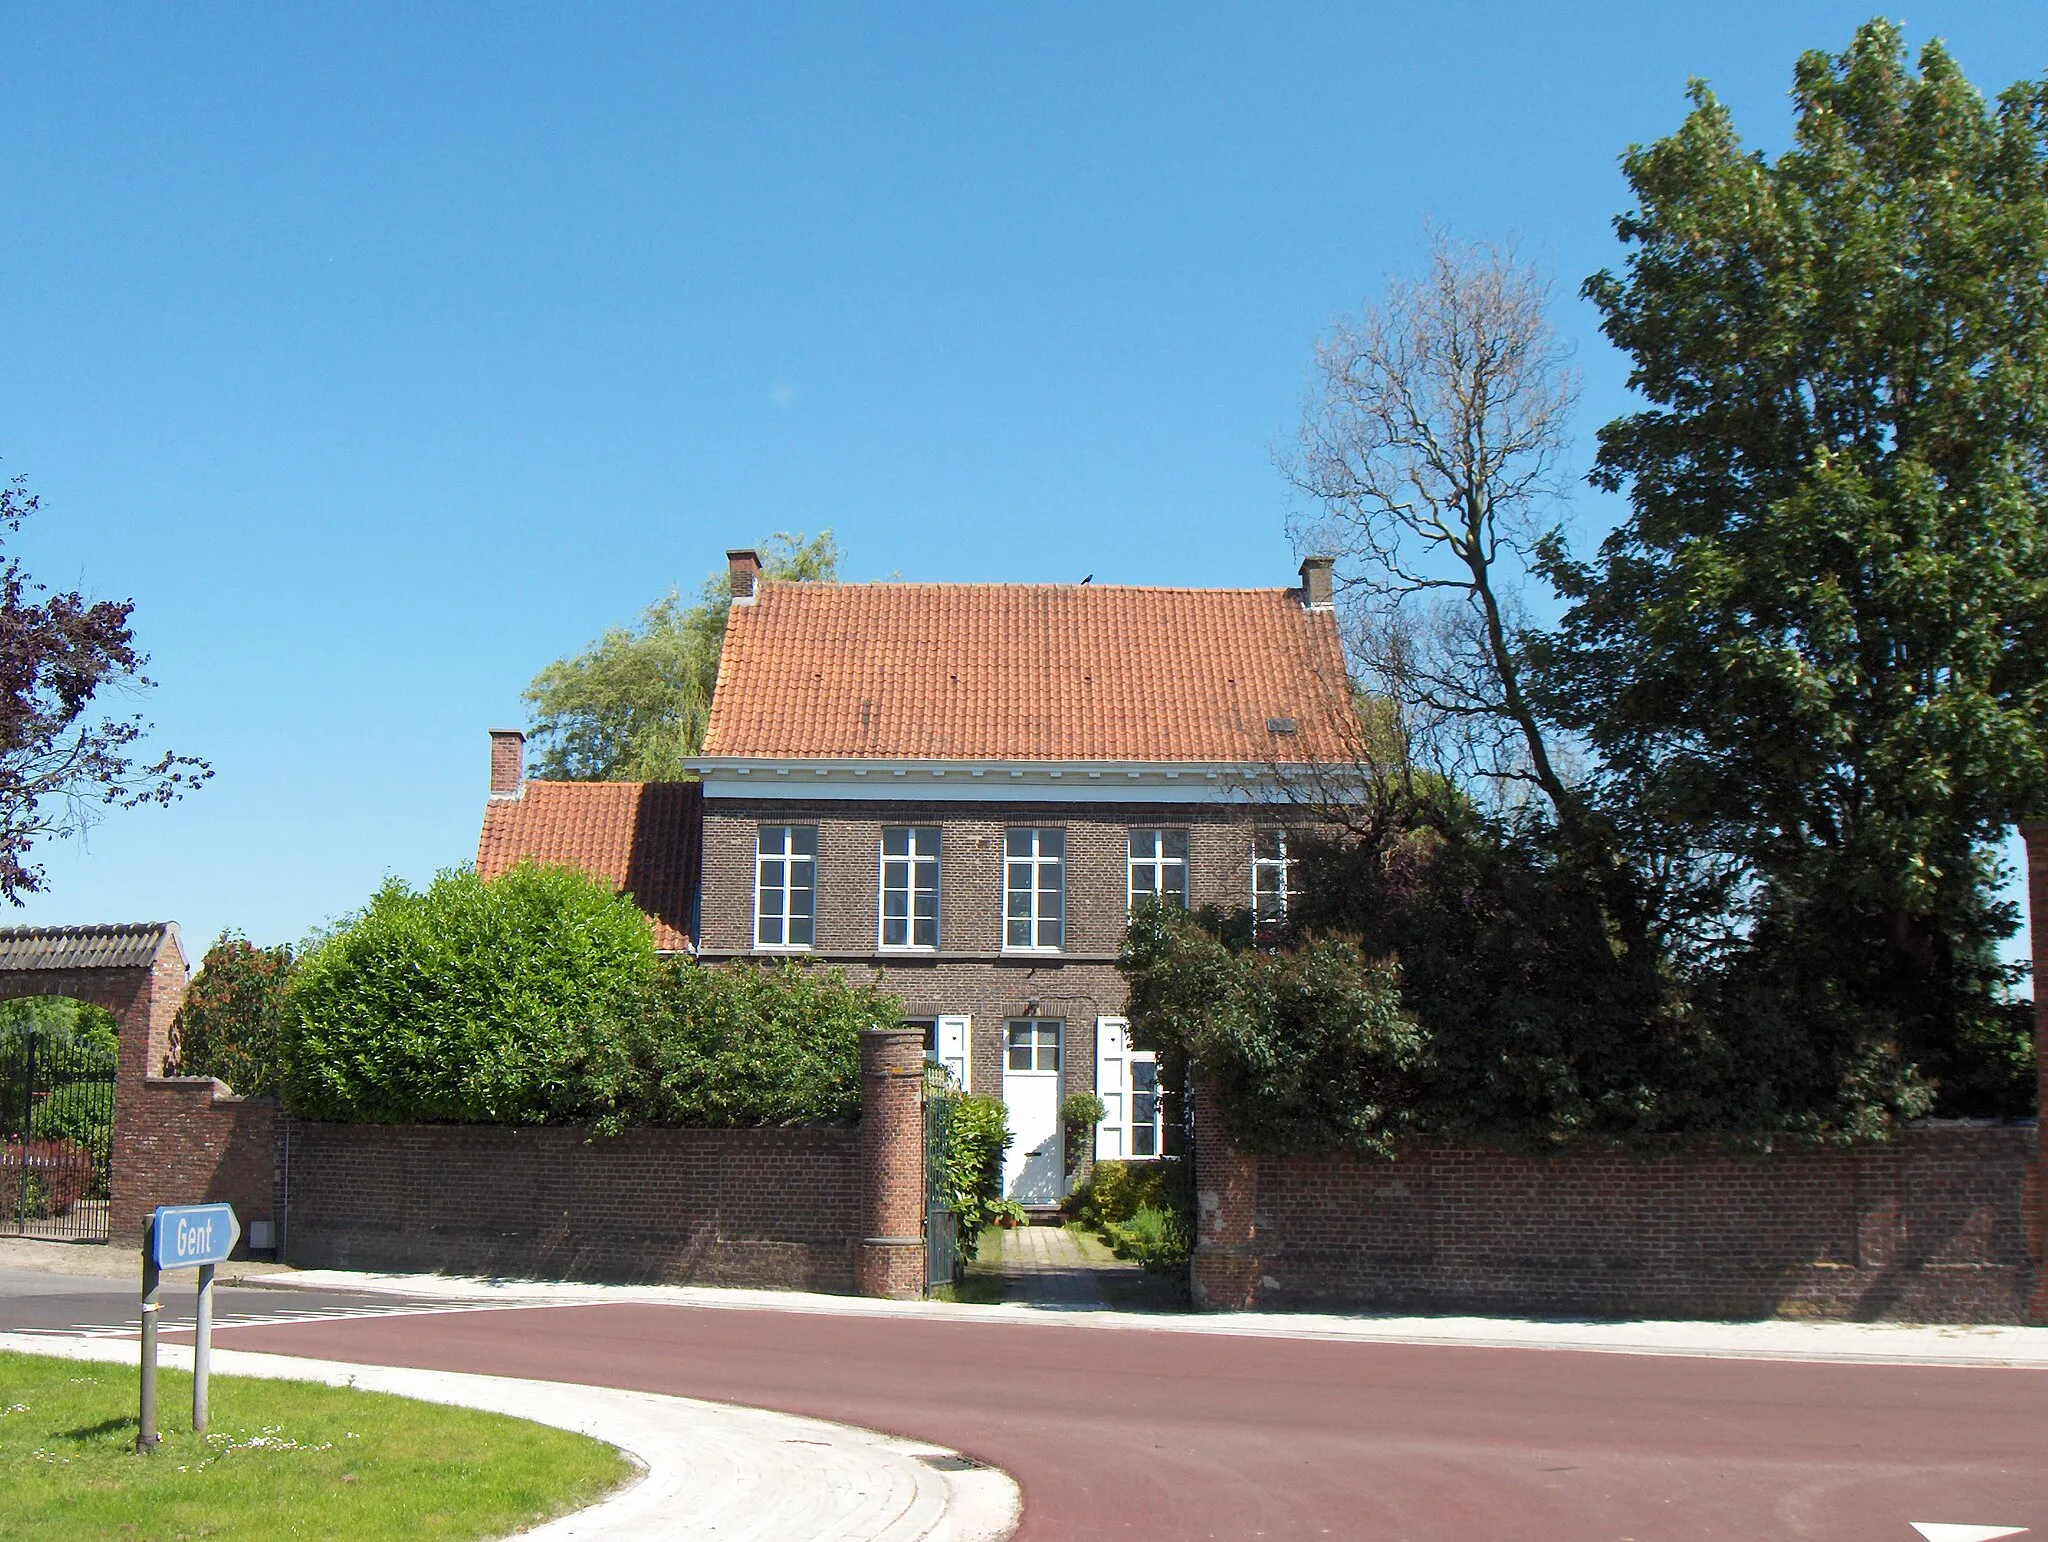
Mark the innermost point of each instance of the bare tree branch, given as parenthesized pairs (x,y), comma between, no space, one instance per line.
(1432,448)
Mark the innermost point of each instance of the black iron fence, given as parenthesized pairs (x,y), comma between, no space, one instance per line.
(56,1135)
(941,1225)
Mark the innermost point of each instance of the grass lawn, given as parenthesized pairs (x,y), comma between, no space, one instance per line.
(283,1459)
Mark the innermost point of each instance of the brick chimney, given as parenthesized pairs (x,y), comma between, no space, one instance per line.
(508,762)
(1315,582)
(744,566)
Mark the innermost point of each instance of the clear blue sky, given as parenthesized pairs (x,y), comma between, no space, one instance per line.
(384,353)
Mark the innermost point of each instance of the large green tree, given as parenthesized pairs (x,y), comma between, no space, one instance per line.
(633,705)
(1813,659)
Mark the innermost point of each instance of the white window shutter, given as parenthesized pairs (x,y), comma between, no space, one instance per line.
(1112,1085)
(954,1036)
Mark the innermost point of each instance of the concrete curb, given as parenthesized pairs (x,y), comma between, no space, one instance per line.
(1853,1343)
(709,1469)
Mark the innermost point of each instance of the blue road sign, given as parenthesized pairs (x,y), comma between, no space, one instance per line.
(186,1236)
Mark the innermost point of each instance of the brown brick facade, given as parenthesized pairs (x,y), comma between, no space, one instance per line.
(970,973)
(762,1208)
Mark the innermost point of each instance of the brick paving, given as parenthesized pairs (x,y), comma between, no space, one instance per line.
(1044,1267)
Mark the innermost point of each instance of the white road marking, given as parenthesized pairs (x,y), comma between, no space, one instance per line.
(1941,1531)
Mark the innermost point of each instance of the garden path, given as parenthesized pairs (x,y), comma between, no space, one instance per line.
(1043,1266)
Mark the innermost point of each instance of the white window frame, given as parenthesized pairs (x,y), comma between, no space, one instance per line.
(1157,864)
(1116,1083)
(1282,866)
(907,866)
(1041,1034)
(1036,863)
(790,859)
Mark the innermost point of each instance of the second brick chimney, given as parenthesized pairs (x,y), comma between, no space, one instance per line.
(508,762)
(744,566)
(1315,582)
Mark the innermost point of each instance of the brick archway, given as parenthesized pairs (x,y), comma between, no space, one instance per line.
(176,1139)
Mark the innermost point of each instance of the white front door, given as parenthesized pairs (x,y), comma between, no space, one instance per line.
(1034,1168)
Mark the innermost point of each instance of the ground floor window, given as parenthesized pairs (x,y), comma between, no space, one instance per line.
(1137,1120)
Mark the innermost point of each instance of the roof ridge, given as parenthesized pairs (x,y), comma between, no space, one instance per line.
(997,583)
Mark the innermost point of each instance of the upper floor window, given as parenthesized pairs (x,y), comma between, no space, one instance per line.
(785,886)
(1271,875)
(910,886)
(1159,867)
(1034,888)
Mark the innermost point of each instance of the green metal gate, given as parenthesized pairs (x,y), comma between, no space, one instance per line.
(56,1135)
(941,1225)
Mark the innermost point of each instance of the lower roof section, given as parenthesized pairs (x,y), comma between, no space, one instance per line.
(640,838)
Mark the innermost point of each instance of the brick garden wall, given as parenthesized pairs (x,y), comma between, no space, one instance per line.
(1938,1227)
(765,1208)
(184,1140)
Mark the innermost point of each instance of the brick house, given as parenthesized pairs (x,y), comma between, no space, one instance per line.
(957,791)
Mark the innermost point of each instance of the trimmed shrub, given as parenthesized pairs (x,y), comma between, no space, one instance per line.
(232,1022)
(1080,1113)
(738,1045)
(977,1135)
(470,1002)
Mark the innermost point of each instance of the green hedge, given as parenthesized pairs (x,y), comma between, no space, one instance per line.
(469,1002)
(537,998)
(737,1045)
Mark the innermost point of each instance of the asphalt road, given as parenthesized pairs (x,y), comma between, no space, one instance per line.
(1136,1433)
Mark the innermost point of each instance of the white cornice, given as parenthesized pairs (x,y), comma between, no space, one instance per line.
(989,781)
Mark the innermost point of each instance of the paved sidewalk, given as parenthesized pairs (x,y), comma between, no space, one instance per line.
(1845,1342)
(108,1260)
(711,1470)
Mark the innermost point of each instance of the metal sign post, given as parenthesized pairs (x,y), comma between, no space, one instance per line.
(147,1437)
(202,1348)
(182,1237)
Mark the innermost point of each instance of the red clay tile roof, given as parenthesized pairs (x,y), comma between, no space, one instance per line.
(639,837)
(1035,672)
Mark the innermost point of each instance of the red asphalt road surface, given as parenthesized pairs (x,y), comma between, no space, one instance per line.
(1139,1433)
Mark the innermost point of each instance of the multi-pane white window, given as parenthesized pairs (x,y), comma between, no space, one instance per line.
(1034,888)
(1159,867)
(785,886)
(910,886)
(1147,1123)
(1033,1044)
(1270,875)
(1127,1081)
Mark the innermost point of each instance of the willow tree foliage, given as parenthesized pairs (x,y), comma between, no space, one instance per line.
(634,704)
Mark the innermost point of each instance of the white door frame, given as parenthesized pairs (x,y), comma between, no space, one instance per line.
(1034,1168)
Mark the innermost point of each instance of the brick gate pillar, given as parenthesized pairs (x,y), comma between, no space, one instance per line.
(1223,1274)
(2036,834)
(891,1258)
